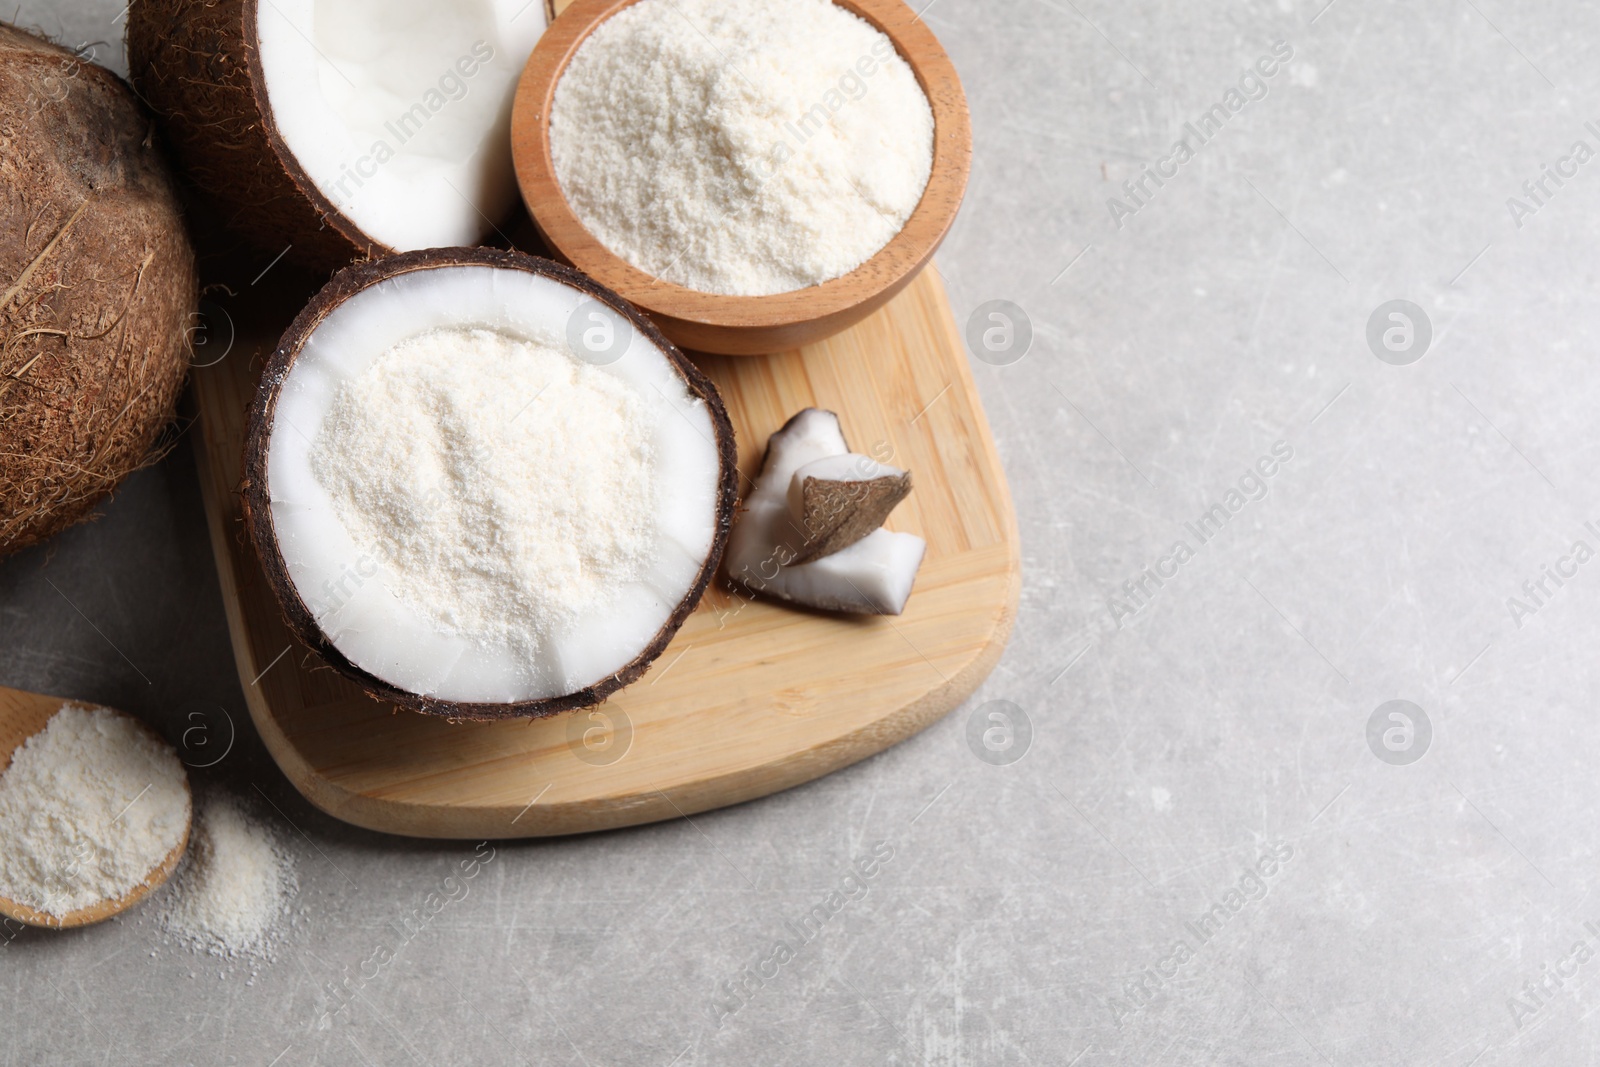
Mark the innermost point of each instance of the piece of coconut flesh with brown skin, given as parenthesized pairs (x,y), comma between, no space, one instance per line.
(872,575)
(362,549)
(838,500)
(335,129)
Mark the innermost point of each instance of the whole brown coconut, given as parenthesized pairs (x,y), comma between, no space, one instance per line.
(99,288)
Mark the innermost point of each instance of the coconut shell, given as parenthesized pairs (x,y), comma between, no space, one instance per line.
(99,287)
(197,64)
(257,496)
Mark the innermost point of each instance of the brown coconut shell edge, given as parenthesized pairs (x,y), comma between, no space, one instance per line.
(197,64)
(258,513)
(851,510)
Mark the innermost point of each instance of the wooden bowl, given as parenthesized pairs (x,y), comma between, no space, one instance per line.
(747,325)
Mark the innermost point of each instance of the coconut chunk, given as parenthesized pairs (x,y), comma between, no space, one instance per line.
(810,434)
(838,500)
(872,575)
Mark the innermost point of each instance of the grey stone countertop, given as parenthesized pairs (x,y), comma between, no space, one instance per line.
(1218,846)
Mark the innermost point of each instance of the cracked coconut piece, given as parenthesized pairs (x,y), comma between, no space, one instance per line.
(873,571)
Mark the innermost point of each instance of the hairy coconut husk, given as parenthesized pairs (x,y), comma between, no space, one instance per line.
(99,287)
(196,62)
(257,497)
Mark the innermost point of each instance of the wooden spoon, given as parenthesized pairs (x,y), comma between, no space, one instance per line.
(22,715)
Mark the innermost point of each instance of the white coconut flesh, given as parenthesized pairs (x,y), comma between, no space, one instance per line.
(401,566)
(872,576)
(399,110)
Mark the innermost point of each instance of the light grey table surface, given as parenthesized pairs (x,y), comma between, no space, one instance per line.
(1423,911)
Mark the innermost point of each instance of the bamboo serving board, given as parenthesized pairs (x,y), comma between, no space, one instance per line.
(750,697)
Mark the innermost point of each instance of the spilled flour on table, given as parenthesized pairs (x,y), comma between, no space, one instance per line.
(230,897)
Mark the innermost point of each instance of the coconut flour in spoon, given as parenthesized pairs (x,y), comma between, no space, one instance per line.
(89,806)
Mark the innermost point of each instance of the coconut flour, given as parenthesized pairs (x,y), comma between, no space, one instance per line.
(231,895)
(741,146)
(89,806)
(506,487)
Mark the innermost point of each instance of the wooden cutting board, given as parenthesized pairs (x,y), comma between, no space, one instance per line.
(750,697)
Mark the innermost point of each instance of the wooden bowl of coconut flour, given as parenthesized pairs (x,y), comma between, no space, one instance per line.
(727,321)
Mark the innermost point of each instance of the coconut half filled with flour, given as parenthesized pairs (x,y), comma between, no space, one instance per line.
(483,486)
(333,129)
